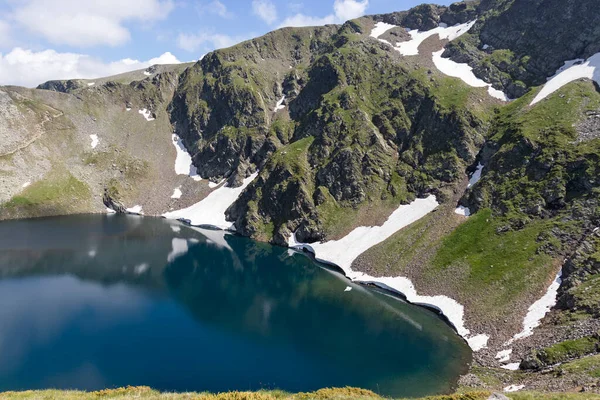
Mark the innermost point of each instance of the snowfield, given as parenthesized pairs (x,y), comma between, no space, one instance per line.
(183,161)
(211,210)
(571,71)
(137,210)
(444,65)
(538,310)
(465,73)
(344,251)
(411,47)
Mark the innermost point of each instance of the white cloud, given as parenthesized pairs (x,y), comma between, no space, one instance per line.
(87,23)
(343,10)
(207,41)
(28,68)
(265,10)
(349,9)
(214,7)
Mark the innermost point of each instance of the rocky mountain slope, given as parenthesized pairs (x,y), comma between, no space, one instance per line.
(333,128)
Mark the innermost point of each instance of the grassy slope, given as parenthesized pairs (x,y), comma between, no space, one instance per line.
(486,257)
(323,394)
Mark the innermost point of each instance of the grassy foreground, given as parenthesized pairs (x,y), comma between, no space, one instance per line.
(143,392)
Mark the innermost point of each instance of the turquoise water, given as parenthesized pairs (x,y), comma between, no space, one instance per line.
(89,302)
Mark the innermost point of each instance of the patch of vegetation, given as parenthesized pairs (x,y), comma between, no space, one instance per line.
(59,192)
(501,266)
(589,366)
(569,349)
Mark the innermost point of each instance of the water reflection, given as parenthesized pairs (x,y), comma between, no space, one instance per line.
(92,301)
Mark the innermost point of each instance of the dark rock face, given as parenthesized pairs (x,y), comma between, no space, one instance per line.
(527,40)
(110,200)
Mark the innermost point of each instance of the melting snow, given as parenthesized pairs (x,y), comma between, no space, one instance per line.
(147,114)
(94,141)
(571,71)
(462,210)
(511,366)
(411,47)
(91,83)
(381,28)
(176,228)
(513,388)
(135,210)
(176,193)
(183,161)
(344,251)
(26,184)
(348,288)
(504,355)
(147,73)
(279,105)
(486,46)
(476,175)
(538,310)
(211,210)
(213,185)
(110,211)
(465,73)
(127,109)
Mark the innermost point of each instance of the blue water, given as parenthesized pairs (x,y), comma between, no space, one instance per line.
(90,302)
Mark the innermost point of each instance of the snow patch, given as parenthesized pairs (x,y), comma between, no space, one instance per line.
(94,141)
(348,288)
(538,310)
(135,210)
(91,83)
(411,47)
(213,185)
(176,193)
(127,109)
(183,161)
(571,71)
(211,210)
(465,73)
(476,175)
(344,251)
(504,355)
(511,366)
(279,105)
(176,228)
(462,210)
(513,388)
(486,46)
(110,211)
(147,73)
(381,28)
(147,114)
(26,184)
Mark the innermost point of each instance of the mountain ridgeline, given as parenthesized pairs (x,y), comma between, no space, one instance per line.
(341,129)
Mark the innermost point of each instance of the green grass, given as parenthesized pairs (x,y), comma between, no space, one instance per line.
(347,393)
(569,349)
(500,266)
(58,192)
(588,366)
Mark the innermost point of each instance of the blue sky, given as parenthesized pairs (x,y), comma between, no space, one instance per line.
(41,39)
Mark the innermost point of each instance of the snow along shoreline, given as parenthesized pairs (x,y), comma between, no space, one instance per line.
(343,252)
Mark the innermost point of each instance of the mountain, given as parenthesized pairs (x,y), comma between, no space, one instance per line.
(312,132)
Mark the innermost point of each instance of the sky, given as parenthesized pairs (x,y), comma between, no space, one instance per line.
(42,40)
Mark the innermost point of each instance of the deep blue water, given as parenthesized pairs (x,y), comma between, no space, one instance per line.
(90,302)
